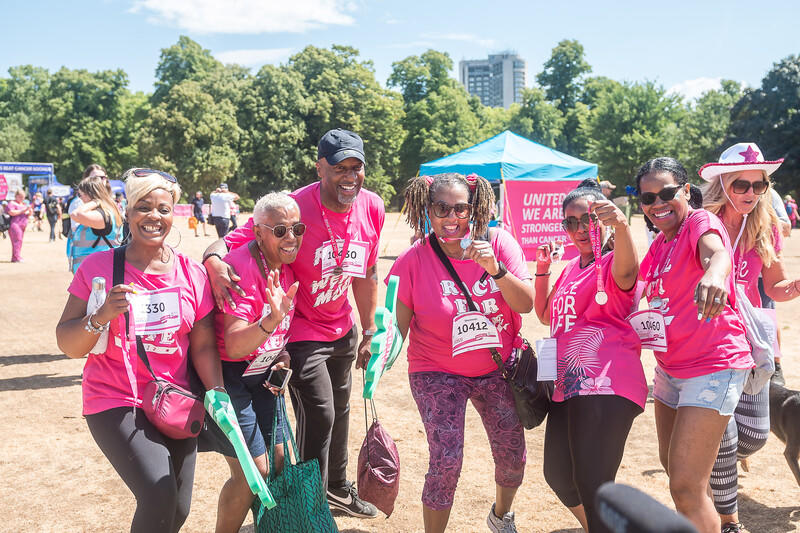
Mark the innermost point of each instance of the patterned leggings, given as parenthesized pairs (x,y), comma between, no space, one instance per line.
(746,433)
(442,402)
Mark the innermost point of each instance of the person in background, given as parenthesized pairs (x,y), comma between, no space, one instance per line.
(701,373)
(98,222)
(737,192)
(600,386)
(607,188)
(221,200)
(791,211)
(453,213)
(53,211)
(234,214)
(197,212)
(19,212)
(158,470)
(38,210)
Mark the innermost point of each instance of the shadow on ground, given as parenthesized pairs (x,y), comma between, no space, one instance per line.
(759,517)
(7,360)
(38,381)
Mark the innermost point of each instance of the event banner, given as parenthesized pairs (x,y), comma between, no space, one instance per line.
(11,181)
(532,213)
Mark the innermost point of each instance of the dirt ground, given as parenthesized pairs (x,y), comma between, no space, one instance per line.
(54,477)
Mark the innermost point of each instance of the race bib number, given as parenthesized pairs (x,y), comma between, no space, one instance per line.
(156,311)
(547,360)
(355,260)
(264,360)
(649,325)
(473,331)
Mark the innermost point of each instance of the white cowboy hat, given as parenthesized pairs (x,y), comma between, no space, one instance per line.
(742,156)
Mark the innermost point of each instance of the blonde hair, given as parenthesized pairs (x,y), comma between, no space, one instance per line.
(95,188)
(137,188)
(758,232)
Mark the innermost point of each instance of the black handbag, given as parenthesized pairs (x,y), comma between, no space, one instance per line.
(531,397)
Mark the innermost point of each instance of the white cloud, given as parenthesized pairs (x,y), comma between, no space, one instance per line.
(412,44)
(464,37)
(246,16)
(254,58)
(694,89)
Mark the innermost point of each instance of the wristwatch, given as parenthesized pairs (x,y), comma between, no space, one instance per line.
(368,332)
(501,271)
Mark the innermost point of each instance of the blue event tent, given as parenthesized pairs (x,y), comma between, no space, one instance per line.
(508,156)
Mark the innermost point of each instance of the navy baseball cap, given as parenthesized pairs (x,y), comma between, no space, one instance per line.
(338,145)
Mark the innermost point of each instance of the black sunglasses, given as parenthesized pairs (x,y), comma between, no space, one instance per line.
(742,186)
(571,223)
(142,172)
(666,194)
(442,210)
(281,230)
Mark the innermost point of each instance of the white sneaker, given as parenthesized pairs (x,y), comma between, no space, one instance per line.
(501,525)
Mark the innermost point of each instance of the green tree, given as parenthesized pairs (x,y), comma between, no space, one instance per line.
(563,73)
(703,131)
(770,117)
(629,125)
(184,60)
(536,118)
(21,96)
(418,76)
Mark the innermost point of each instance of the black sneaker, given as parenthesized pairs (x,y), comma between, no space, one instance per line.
(731,527)
(346,499)
(777,376)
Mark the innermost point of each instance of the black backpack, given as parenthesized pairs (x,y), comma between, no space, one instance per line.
(52,206)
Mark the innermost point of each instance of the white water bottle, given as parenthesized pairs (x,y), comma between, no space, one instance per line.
(96,299)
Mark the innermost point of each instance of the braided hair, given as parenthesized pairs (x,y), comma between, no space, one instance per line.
(421,190)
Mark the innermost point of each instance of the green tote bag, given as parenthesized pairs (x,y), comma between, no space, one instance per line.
(297,489)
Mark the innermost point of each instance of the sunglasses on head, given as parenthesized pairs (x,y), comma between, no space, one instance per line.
(142,172)
(572,223)
(742,186)
(442,210)
(281,230)
(666,194)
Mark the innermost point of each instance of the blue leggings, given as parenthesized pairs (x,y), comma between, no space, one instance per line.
(159,471)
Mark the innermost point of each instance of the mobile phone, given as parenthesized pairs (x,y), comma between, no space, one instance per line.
(279,378)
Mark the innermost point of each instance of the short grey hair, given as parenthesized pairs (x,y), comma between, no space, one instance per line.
(271,202)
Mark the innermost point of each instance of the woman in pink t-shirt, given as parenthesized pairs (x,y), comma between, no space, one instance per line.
(19,212)
(251,338)
(157,469)
(600,386)
(702,369)
(449,362)
(737,192)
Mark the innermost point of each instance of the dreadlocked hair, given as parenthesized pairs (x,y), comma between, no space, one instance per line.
(420,193)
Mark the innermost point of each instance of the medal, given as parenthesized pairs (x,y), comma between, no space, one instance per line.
(601,298)
(656,303)
(338,271)
(465,242)
(338,257)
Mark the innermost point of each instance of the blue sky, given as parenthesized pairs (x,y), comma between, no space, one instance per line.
(688,46)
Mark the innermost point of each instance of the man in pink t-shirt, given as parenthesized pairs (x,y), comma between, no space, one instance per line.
(340,250)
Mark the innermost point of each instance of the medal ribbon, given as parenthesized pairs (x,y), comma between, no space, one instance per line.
(336,256)
(594,236)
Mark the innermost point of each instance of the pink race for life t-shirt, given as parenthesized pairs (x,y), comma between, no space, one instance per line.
(428,290)
(748,267)
(322,311)
(106,383)
(671,271)
(250,307)
(598,350)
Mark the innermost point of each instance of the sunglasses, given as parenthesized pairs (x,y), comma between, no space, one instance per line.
(572,223)
(281,230)
(142,172)
(742,186)
(666,194)
(442,210)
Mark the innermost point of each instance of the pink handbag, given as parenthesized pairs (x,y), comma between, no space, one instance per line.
(174,411)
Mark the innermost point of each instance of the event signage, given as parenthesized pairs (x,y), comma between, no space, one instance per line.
(13,182)
(27,168)
(3,187)
(533,214)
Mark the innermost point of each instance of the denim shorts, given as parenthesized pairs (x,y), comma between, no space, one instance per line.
(719,390)
(255,408)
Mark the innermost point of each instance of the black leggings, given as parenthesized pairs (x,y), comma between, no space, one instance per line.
(583,446)
(158,470)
